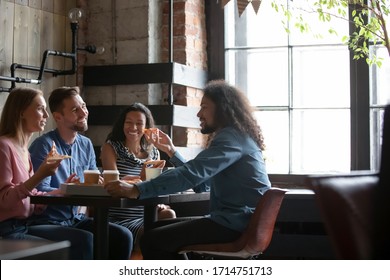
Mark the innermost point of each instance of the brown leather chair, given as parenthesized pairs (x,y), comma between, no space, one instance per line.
(346,206)
(255,239)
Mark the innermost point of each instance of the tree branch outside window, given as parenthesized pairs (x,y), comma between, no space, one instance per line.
(367,16)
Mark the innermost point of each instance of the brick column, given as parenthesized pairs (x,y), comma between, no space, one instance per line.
(189,48)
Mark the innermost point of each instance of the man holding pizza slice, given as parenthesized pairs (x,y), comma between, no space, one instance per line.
(70,114)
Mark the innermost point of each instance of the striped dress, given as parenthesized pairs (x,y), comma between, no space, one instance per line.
(128,164)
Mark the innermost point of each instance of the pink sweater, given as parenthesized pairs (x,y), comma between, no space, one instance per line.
(14,197)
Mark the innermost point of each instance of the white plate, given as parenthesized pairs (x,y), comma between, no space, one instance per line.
(83,189)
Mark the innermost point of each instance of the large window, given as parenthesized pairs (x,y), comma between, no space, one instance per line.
(304,93)
(379,97)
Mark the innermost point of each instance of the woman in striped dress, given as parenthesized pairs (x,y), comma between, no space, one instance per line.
(126,150)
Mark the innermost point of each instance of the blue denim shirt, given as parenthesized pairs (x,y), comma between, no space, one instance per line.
(83,158)
(232,167)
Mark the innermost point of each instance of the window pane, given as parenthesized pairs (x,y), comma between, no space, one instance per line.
(379,96)
(253,30)
(320,141)
(319,30)
(299,83)
(376,137)
(317,81)
(274,125)
(380,78)
(261,74)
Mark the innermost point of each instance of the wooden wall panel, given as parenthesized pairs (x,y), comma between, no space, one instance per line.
(59,44)
(20,48)
(60,7)
(46,44)
(22,2)
(70,80)
(36,4)
(27,29)
(6,41)
(48,6)
(34,43)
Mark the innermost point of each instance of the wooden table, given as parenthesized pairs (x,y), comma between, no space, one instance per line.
(188,204)
(101,204)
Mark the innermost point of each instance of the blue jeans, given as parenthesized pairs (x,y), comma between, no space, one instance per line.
(163,243)
(81,240)
(120,239)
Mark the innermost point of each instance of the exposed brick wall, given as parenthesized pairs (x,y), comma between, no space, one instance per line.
(189,48)
(189,34)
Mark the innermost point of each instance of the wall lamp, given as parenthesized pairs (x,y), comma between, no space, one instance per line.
(74,15)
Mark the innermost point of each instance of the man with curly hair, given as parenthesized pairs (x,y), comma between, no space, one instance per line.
(231,167)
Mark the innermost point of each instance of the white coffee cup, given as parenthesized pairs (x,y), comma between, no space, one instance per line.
(91,176)
(151,172)
(110,175)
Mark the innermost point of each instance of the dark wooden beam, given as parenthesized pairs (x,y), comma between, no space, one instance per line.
(174,115)
(215,40)
(151,73)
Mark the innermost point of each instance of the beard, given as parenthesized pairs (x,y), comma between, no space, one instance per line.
(80,128)
(208,129)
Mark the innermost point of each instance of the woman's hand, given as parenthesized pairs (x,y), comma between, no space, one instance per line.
(121,188)
(39,208)
(162,141)
(48,167)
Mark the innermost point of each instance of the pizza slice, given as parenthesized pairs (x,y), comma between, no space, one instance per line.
(54,155)
(155,163)
(150,131)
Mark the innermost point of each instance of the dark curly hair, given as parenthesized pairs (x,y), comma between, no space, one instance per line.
(117,133)
(233,109)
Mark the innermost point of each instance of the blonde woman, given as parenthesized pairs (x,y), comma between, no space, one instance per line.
(23,114)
